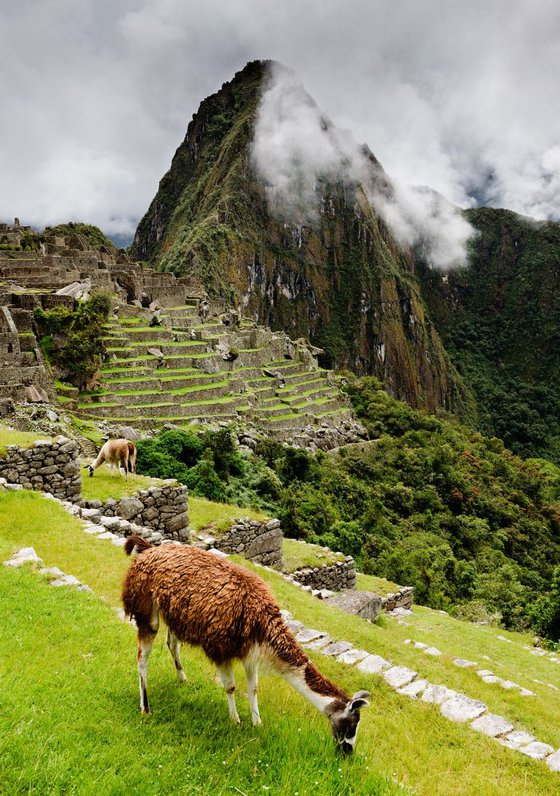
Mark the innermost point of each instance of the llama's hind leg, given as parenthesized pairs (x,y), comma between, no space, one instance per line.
(252,672)
(174,647)
(147,631)
(225,673)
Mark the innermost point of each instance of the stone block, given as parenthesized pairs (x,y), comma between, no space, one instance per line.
(307,634)
(492,725)
(437,694)
(363,603)
(373,664)
(399,676)
(413,689)
(537,750)
(336,648)
(352,656)
(129,507)
(553,761)
(461,708)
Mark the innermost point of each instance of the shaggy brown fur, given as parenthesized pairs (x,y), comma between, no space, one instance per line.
(119,452)
(228,611)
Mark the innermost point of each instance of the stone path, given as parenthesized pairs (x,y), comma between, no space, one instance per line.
(453,705)
(56,577)
(485,674)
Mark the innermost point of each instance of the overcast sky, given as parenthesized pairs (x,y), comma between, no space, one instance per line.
(96,95)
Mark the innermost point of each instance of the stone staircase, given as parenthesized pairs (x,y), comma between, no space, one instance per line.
(172,373)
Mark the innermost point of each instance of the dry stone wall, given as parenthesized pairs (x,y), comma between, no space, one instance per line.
(400,599)
(258,541)
(163,508)
(338,576)
(49,466)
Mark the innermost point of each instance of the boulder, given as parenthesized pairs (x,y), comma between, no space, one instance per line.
(363,603)
(129,507)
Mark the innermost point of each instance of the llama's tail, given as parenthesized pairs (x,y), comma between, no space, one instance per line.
(136,542)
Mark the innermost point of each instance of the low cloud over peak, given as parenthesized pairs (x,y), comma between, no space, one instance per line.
(96,96)
(297,150)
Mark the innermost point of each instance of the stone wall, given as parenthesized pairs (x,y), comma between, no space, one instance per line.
(258,541)
(48,466)
(336,577)
(164,508)
(400,599)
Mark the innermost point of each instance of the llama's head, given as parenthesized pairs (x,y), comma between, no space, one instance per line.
(344,722)
(90,469)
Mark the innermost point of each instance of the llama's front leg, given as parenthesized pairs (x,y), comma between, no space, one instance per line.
(225,673)
(174,647)
(145,642)
(252,672)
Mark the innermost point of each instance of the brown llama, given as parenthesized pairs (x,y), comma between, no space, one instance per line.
(231,613)
(116,452)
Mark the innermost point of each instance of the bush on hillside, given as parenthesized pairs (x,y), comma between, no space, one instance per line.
(72,340)
(429,504)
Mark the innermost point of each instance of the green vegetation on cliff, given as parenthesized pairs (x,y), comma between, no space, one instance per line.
(499,319)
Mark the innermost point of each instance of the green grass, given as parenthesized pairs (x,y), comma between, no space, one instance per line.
(102,485)
(297,555)
(380,586)
(88,429)
(203,512)
(71,723)
(25,439)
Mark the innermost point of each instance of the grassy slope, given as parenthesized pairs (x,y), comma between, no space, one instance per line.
(24,439)
(102,485)
(74,723)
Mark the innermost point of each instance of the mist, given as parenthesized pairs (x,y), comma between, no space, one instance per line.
(97,95)
(297,150)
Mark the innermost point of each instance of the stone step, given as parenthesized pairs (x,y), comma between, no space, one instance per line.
(266,392)
(146,370)
(151,335)
(148,424)
(151,397)
(268,412)
(284,422)
(168,349)
(165,379)
(320,405)
(162,409)
(292,397)
(174,362)
(336,415)
(289,368)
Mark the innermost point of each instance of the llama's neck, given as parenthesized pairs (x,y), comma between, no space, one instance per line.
(310,683)
(100,459)
(291,662)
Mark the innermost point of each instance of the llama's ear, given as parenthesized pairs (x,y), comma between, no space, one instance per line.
(358,702)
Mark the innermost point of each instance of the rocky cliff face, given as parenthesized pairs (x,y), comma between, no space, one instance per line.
(343,281)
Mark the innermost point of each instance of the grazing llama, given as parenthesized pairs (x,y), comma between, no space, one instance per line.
(116,452)
(231,613)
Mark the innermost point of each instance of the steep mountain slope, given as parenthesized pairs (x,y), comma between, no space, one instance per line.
(343,281)
(500,321)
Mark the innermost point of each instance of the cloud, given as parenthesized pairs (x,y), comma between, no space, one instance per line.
(97,95)
(296,150)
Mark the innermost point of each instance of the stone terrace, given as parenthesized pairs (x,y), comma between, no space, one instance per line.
(189,369)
